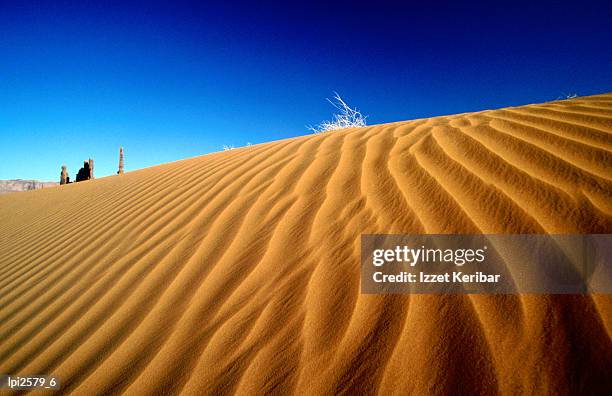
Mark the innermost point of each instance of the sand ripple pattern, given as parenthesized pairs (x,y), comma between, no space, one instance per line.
(238,272)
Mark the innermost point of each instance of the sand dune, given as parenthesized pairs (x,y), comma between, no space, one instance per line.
(238,271)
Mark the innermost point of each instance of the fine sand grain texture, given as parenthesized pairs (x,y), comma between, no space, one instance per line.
(238,271)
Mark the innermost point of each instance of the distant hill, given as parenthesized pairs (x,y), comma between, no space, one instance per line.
(9,186)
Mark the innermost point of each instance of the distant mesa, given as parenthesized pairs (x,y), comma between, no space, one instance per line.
(18,185)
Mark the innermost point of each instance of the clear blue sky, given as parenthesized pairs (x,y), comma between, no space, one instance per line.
(175,79)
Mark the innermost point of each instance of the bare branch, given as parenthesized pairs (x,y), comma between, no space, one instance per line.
(346,118)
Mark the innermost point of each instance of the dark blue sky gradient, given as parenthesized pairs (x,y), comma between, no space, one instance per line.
(173,80)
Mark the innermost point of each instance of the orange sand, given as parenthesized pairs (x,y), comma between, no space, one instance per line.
(238,271)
